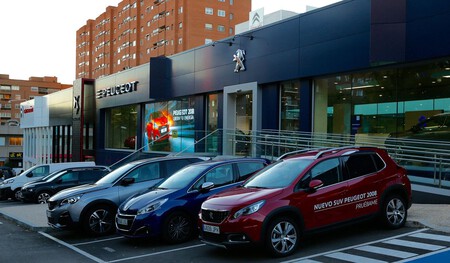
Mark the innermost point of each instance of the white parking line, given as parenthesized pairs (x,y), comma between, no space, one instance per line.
(355,246)
(96,259)
(97,241)
(386,251)
(432,237)
(412,244)
(157,253)
(353,258)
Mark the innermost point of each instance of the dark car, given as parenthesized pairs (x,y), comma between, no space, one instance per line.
(307,192)
(94,206)
(41,190)
(170,210)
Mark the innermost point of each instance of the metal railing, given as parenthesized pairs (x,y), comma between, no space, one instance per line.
(426,161)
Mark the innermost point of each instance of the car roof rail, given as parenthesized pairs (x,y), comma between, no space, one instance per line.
(288,154)
(330,150)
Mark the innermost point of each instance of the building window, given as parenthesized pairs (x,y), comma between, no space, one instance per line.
(2,141)
(180,41)
(208,26)
(15,141)
(221,13)
(209,11)
(231,2)
(290,105)
(231,31)
(221,0)
(121,125)
(231,16)
(381,103)
(220,28)
(180,10)
(180,25)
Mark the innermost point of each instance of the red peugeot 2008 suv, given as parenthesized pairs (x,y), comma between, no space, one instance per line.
(305,192)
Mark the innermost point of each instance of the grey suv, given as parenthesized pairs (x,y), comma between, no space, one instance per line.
(94,206)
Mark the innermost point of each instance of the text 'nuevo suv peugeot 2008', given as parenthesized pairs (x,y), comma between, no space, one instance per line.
(308,191)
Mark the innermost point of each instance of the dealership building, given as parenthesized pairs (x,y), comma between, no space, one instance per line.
(365,68)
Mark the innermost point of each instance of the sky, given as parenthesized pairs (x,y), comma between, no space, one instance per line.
(38,36)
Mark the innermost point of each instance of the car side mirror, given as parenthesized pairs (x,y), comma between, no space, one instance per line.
(127,181)
(59,181)
(205,187)
(315,184)
(30,174)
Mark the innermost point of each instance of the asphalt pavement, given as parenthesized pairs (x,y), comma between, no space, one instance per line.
(434,216)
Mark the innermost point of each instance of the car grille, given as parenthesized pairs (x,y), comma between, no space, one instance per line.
(214,216)
(129,221)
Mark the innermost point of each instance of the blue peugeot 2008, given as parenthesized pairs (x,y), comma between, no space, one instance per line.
(170,210)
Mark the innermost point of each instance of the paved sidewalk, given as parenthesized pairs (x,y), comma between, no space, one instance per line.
(33,216)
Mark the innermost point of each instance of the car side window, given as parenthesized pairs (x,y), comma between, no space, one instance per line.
(327,171)
(40,171)
(358,165)
(69,177)
(221,175)
(145,172)
(248,168)
(175,165)
(91,175)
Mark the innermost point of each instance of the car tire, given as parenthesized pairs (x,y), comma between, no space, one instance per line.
(394,212)
(282,237)
(15,195)
(178,228)
(99,220)
(42,197)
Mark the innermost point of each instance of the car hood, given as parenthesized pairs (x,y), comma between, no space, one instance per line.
(34,184)
(137,202)
(81,189)
(241,196)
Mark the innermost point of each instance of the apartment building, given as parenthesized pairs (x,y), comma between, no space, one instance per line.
(12,93)
(128,35)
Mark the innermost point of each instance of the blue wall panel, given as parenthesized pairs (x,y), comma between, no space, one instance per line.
(340,55)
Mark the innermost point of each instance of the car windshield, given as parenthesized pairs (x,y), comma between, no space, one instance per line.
(53,176)
(279,174)
(182,178)
(116,174)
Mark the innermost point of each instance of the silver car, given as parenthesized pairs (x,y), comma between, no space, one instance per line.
(94,206)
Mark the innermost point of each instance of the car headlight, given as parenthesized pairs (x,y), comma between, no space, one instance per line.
(152,206)
(248,210)
(9,181)
(70,200)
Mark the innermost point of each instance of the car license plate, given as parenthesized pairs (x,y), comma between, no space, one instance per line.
(211,229)
(122,221)
(163,129)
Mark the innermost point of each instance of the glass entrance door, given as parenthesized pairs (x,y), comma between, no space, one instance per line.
(244,105)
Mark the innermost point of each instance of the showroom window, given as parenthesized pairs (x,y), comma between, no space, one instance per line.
(170,126)
(120,128)
(381,102)
(290,105)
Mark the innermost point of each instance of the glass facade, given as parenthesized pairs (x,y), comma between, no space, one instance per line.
(290,105)
(120,128)
(382,102)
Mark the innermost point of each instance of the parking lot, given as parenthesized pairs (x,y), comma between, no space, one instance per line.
(76,245)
